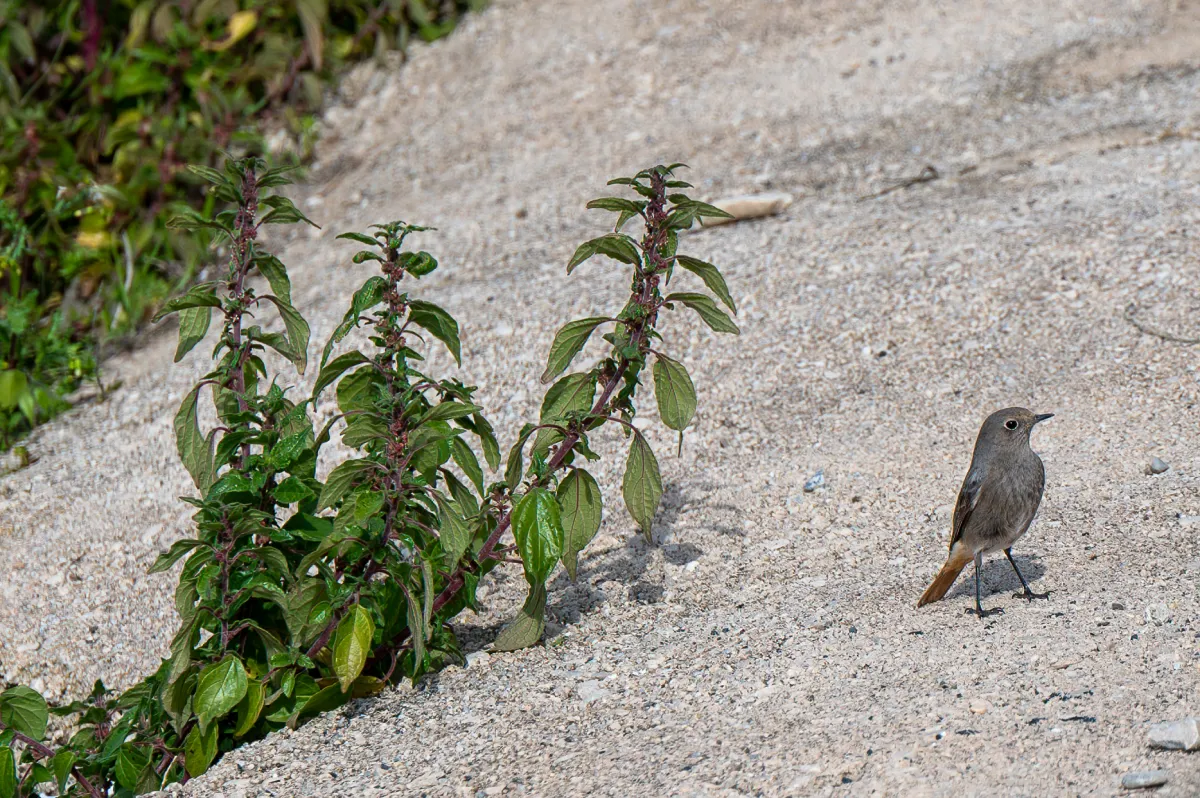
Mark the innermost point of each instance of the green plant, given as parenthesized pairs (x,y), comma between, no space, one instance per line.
(297,595)
(102,104)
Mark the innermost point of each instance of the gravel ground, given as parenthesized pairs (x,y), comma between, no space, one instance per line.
(769,643)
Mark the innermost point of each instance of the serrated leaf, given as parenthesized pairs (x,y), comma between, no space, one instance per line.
(173,555)
(361,430)
(335,368)
(568,342)
(291,491)
(219,689)
(675,393)
(195,451)
(453,531)
(487,440)
(616,204)
(516,461)
(341,480)
(537,526)
(617,246)
(642,485)
(526,629)
(711,276)
(581,503)
(352,645)
(277,277)
(297,329)
(712,315)
(193,326)
(24,710)
(199,750)
(439,323)
(418,264)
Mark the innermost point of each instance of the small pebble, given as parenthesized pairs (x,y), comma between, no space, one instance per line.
(816,481)
(1178,735)
(1157,467)
(1142,779)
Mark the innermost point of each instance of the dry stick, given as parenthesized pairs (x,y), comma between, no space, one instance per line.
(927,175)
(1129,317)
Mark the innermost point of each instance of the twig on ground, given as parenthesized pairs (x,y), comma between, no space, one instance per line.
(927,175)
(1132,319)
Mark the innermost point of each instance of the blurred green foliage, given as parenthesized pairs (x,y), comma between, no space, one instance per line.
(102,102)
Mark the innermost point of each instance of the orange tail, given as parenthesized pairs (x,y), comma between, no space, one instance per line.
(959,557)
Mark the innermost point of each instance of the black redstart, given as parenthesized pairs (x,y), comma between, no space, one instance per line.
(997,502)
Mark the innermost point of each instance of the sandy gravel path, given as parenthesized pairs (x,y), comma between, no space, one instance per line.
(769,645)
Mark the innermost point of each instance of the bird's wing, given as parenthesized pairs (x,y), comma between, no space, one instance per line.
(968,497)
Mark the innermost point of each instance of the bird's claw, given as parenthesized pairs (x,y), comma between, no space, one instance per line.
(982,613)
(1029,595)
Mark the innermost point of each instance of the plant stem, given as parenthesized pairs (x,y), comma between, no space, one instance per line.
(45,752)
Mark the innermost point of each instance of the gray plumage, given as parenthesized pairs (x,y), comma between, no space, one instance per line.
(997,502)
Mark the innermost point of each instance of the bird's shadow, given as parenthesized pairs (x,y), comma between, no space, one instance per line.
(998,576)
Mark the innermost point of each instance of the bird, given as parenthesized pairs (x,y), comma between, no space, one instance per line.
(996,504)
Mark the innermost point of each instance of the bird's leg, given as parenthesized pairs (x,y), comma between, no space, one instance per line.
(979,610)
(1028,595)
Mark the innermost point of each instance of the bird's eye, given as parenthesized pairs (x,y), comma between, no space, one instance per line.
(1010,424)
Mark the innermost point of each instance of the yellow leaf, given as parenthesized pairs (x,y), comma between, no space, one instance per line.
(240,25)
(92,240)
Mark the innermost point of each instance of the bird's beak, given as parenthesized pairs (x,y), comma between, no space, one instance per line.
(1042,417)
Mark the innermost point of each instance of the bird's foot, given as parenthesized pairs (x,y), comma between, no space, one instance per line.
(1029,595)
(982,613)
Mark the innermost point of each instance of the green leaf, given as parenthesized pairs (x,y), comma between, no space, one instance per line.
(298,331)
(200,296)
(13,385)
(447,411)
(273,269)
(334,369)
(195,451)
(365,298)
(439,323)
(675,393)
(24,710)
(617,205)
(362,430)
(220,687)
(199,750)
(568,342)
(360,238)
(250,707)
(487,439)
(453,531)
(8,773)
(418,264)
(574,393)
(642,485)
(352,645)
(579,498)
(526,629)
(211,175)
(283,211)
(711,277)
(713,316)
(292,490)
(131,760)
(617,246)
(193,326)
(63,762)
(341,480)
(173,554)
(537,526)
(465,457)
(359,390)
(516,461)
